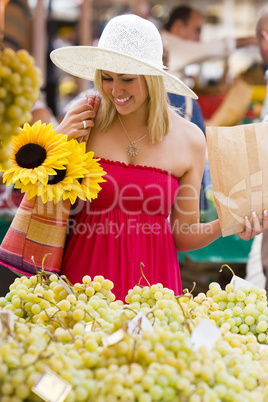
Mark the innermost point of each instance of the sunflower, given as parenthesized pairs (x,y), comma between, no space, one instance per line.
(37,152)
(66,184)
(90,183)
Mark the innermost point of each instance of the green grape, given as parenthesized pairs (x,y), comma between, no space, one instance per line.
(263,317)
(3,94)
(256,313)
(231,321)
(250,300)
(240,295)
(156,392)
(86,280)
(249,320)
(255,290)
(262,326)
(64,305)
(222,295)
(235,329)
(4,71)
(237,311)
(15,79)
(22,391)
(265,311)
(71,299)
(243,329)
(18,90)
(20,101)
(230,305)
(248,310)
(240,304)
(261,306)
(82,297)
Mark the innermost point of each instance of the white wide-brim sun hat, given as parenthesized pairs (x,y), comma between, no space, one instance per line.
(128,44)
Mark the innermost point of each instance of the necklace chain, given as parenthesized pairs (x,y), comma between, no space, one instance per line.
(132,148)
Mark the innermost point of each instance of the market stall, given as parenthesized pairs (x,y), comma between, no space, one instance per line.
(63,341)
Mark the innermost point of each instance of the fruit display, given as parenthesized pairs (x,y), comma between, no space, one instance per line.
(138,350)
(20,81)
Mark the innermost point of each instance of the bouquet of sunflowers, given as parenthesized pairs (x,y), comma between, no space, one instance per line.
(46,164)
(52,172)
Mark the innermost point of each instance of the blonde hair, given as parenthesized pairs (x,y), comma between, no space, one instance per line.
(159,121)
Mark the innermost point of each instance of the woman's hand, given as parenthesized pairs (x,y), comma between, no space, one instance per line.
(78,120)
(255,229)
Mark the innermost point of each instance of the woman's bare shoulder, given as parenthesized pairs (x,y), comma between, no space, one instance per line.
(186,145)
(187,132)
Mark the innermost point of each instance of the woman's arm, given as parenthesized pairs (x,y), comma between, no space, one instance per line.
(188,233)
(199,235)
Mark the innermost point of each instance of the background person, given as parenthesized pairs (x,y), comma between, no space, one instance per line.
(257,269)
(182,37)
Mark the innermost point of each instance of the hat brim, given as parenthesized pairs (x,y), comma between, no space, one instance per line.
(83,61)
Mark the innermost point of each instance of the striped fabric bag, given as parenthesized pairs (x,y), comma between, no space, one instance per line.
(36,230)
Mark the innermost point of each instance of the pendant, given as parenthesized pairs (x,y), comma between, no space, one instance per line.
(132,149)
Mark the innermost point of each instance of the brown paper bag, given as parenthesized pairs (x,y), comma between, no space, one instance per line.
(238,160)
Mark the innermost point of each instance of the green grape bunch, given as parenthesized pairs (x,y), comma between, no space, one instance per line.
(20,82)
(245,311)
(80,332)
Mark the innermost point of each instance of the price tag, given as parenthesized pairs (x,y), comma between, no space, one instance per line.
(6,320)
(89,327)
(114,338)
(263,346)
(205,334)
(139,323)
(238,282)
(51,387)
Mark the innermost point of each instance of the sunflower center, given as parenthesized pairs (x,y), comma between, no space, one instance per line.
(30,156)
(54,179)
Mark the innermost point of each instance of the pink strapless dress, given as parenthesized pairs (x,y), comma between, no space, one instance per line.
(125,226)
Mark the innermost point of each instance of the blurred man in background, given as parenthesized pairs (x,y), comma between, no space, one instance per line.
(182,37)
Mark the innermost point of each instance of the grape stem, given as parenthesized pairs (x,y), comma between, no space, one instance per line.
(40,274)
(193,288)
(43,275)
(57,320)
(94,320)
(62,324)
(130,309)
(50,301)
(227,266)
(186,319)
(133,355)
(64,277)
(147,315)
(187,293)
(143,276)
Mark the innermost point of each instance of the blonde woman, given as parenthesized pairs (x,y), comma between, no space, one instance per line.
(154,161)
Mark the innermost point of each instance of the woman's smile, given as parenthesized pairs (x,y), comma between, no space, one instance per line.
(122,101)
